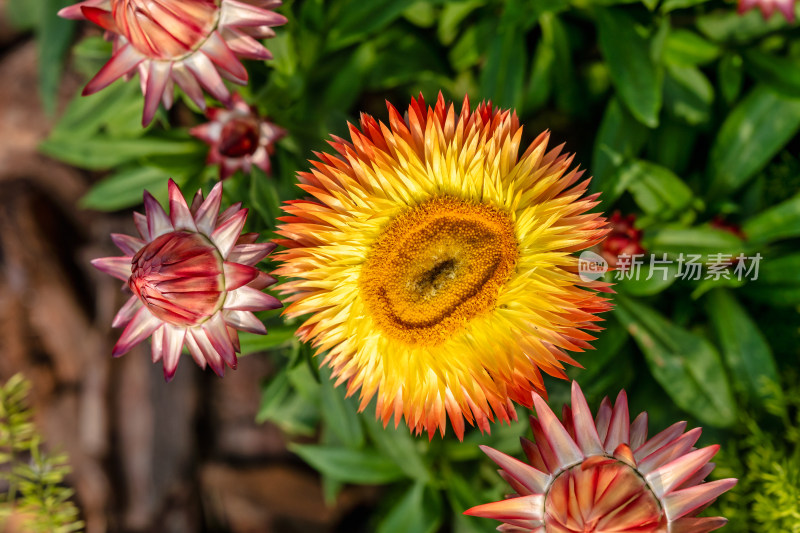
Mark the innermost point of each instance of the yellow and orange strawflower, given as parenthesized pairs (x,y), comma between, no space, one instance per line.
(434,263)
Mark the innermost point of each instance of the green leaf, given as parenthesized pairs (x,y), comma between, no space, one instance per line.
(339,413)
(688,94)
(778,222)
(650,281)
(780,73)
(730,76)
(24,14)
(276,336)
(684,48)
(85,116)
(554,36)
(419,510)
(101,153)
(540,84)
(619,138)
(343,89)
(757,129)
(685,364)
(54,36)
(702,240)
(636,78)
(470,47)
(503,74)
(366,467)
(451,17)
(398,445)
(289,400)
(671,5)
(656,190)
(778,281)
(359,18)
(264,197)
(124,189)
(728,25)
(744,348)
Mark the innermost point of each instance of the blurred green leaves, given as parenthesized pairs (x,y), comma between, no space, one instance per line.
(685,364)
(637,78)
(757,129)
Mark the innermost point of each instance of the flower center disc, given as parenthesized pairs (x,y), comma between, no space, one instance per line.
(165,29)
(602,498)
(437,266)
(239,138)
(179,278)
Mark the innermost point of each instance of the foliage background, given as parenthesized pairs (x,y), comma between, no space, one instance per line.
(682,110)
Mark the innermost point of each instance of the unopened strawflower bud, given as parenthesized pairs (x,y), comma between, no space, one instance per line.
(238,138)
(193,278)
(191,43)
(604,475)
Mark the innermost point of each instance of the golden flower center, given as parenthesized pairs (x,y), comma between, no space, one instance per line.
(179,278)
(437,266)
(165,29)
(600,497)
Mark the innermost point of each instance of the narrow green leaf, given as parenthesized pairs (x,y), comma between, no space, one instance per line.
(778,281)
(636,78)
(652,279)
(276,336)
(780,73)
(671,5)
(124,189)
(701,240)
(685,48)
(757,129)
(366,467)
(503,74)
(656,190)
(554,36)
(419,510)
(86,115)
(101,153)
(726,25)
(619,138)
(54,36)
(540,84)
(781,221)
(730,77)
(273,396)
(398,445)
(359,19)
(451,17)
(339,413)
(744,348)
(688,94)
(685,364)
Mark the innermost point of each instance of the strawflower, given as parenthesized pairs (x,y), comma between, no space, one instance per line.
(191,43)
(768,7)
(623,238)
(434,258)
(238,138)
(193,278)
(604,475)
